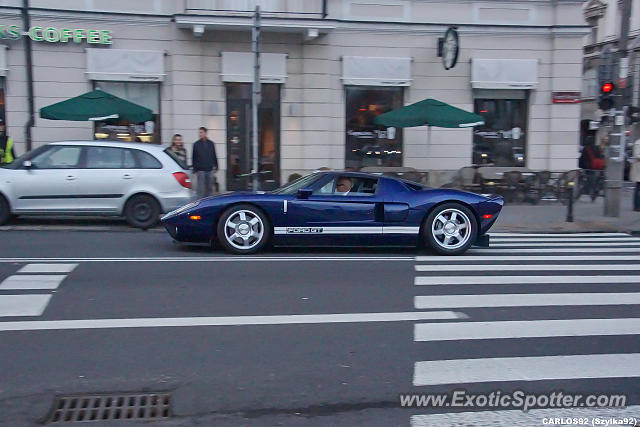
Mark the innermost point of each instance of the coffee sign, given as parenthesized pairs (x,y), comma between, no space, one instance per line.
(55,35)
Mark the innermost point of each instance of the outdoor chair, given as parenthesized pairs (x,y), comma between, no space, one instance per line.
(513,187)
(469,180)
(568,182)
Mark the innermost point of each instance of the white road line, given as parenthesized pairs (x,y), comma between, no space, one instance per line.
(23,305)
(434,302)
(562,244)
(230,320)
(518,418)
(524,329)
(537,368)
(213,259)
(29,281)
(587,258)
(529,267)
(48,268)
(568,239)
(557,234)
(581,250)
(521,280)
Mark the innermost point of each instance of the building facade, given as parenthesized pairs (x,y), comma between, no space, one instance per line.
(328,68)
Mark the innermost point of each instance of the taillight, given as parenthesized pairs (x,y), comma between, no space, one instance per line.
(183,179)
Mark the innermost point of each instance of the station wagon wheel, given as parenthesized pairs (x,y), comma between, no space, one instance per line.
(5,212)
(450,229)
(243,229)
(142,211)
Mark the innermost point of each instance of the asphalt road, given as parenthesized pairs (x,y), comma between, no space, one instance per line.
(255,340)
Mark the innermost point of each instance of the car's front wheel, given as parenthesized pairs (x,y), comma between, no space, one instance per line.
(243,229)
(450,229)
(5,212)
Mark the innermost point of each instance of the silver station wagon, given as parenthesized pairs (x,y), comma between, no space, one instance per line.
(134,180)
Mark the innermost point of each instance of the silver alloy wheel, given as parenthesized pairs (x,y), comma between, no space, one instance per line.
(243,229)
(451,229)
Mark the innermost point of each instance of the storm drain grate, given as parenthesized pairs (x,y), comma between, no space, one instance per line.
(130,406)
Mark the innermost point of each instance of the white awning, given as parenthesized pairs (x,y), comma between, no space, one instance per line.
(376,71)
(125,65)
(504,73)
(3,60)
(238,67)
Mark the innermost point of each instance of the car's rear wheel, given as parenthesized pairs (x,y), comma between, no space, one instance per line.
(243,229)
(5,212)
(450,229)
(142,211)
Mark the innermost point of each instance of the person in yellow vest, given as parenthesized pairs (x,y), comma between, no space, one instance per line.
(7,152)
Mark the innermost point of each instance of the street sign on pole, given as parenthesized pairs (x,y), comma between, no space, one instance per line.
(255,99)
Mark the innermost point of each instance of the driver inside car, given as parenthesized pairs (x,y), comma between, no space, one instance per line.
(344,185)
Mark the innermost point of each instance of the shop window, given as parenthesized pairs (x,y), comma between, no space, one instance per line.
(144,94)
(501,141)
(239,149)
(368,144)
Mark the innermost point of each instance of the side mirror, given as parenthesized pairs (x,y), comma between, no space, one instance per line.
(27,164)
(304,193)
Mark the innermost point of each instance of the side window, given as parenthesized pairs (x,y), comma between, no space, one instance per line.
(58,157)
(349,186)
(146,160)
(104,158)
(128,162)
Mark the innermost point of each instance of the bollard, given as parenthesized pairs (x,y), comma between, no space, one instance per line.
(570,185)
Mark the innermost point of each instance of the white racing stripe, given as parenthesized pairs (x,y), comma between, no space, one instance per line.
(525,329)
(461,371)
(321,229)
(294,319)
(521,280)
(23,305)
(518,418)
(529,267)
(433,302)
(470,258)
(28,281)
(48,268)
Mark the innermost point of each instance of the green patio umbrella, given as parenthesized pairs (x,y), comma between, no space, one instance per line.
(96,105)
(429,112)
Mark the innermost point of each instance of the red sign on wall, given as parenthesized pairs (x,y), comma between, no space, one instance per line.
(565,97)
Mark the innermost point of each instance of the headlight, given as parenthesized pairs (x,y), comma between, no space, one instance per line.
(182,209)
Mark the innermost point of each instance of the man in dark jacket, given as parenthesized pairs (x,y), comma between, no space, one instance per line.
(205,164)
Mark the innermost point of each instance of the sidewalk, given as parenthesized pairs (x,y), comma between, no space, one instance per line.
(551,217)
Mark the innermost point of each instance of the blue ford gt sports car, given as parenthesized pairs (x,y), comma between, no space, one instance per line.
(339,208)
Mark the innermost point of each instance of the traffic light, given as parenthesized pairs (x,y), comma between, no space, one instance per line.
(606,96)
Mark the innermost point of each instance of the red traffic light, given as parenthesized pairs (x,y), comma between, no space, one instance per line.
(607,88)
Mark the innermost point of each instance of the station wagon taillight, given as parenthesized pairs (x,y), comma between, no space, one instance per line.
(183,179)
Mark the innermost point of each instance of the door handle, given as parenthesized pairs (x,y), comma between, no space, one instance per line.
(71,177)
(127,176)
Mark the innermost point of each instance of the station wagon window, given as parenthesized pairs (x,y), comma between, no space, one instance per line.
(146,160)
(58,157)
(104,158)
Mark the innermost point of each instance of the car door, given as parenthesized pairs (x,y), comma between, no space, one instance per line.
(49,182)
(335,214)
(106,177)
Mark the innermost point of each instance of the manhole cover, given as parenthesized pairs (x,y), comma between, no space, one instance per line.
(101,407)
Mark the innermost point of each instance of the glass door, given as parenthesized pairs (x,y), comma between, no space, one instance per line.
(239,150)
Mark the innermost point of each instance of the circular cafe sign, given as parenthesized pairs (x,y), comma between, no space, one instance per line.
(450,48)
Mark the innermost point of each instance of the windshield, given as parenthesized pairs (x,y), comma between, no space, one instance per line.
(177,159)
(26,156)
(293,187)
